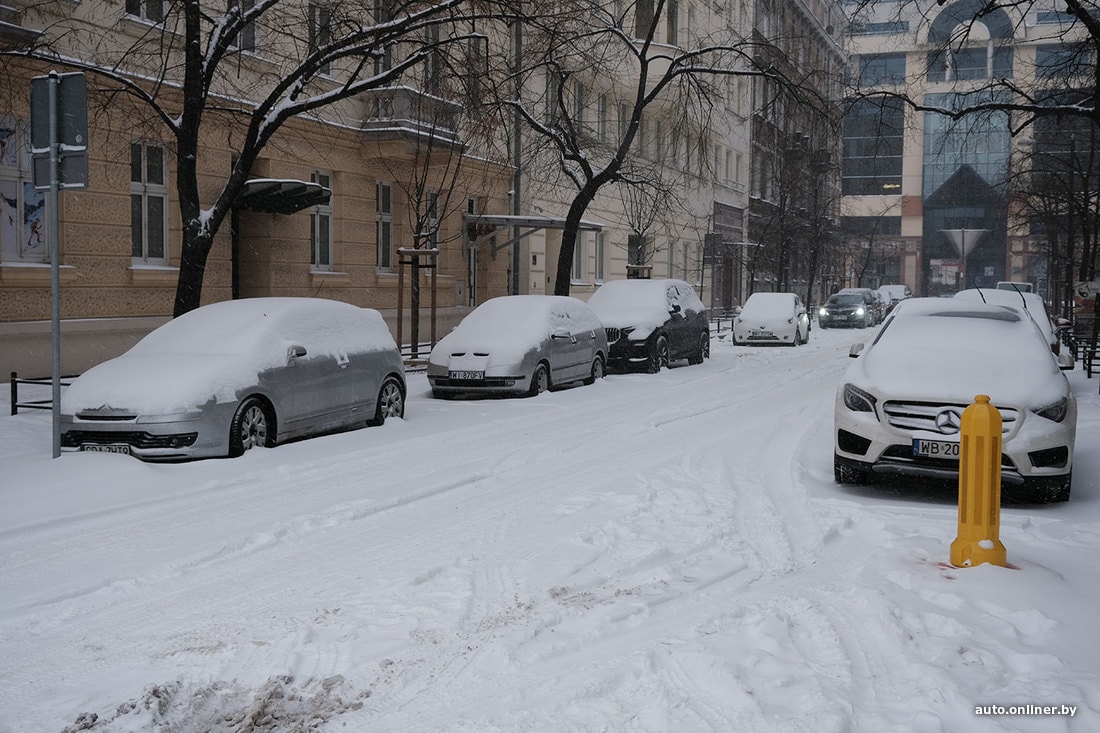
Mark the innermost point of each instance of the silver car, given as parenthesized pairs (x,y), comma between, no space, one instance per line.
(235,375)
(520,344)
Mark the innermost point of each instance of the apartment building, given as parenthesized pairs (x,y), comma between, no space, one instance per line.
(936,203)
(328,205)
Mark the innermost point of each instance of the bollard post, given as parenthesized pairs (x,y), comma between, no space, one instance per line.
(979,487)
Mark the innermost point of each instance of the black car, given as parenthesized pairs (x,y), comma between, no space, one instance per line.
(651,323)
(844,310)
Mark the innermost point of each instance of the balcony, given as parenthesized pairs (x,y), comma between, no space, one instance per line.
(404,112)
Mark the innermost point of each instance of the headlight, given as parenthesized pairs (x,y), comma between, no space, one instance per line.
(859,311)
(822,312)
(181,416)
(1056,412)
(856,400)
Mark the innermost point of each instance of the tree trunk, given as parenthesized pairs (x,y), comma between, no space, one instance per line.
(569,237)
(192,269)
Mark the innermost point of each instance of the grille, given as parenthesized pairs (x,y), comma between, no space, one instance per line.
(136,438)
(922,415)
(613,334)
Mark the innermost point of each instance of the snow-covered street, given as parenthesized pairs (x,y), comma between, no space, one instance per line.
(652,553)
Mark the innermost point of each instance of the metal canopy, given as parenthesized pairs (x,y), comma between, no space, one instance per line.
(281,195)
(481,226)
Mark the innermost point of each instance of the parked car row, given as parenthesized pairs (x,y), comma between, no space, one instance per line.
(240,374)
(899,407)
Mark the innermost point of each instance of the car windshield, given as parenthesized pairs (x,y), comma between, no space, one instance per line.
(845,299)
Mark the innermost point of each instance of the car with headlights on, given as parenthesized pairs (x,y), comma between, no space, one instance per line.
(772,318)
(846,310)
(651,323)
(519,345)
(899,406)
(235,375)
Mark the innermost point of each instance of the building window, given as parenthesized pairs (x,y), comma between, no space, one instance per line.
(384,204)
(151,10)
(887,28)
(965,64)
(881,68)
(872,147)
(23,235)
(246,37)
(1061,61)
(320,228)
(598,256)
(672,246)
(576,272)
(383,12)
(320,30)
(433,64)
(148,204)
(601,118)
(431,220)
(643,18)
(672,17)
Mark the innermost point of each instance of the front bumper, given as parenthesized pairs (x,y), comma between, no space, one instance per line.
(201,436)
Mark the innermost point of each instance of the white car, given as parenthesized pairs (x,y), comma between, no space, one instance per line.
(1028,303)
(898,408)
(519,344)
(772,318)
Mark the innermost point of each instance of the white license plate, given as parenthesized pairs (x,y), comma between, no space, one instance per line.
(466,376)
(106,448)
(760,334)
(935,449)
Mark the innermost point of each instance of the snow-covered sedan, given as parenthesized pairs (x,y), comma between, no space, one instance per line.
(772,318)
(899,406)
(235,375)
(650,323)
(519,344)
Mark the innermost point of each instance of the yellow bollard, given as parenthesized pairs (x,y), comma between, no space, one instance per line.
(979,487)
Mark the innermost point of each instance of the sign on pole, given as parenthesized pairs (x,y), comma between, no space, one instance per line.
(72,129)
(59,149)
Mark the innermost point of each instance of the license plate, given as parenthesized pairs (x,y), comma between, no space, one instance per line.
(760,334)
(466,376)
(106,448)
(935,449)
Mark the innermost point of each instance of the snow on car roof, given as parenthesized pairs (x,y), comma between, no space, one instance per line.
(622,303)
(762,305)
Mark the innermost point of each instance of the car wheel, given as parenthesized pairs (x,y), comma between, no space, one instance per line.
(540,380)
(597,370)
(844,473)
(251,427)
(391,401)
(797,338)
(703,352)
(658,360)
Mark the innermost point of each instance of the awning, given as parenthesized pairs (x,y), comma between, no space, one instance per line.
(281,195)
(482,226)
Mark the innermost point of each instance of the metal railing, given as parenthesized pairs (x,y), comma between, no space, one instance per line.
(33,404)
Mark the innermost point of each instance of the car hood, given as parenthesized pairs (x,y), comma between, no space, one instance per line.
(485,348)
(941,374)
(157,384)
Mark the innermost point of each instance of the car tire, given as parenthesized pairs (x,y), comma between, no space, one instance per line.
(844,473)
(797,338)
(598,370)
(252,426)
(540,380)
(704,350)
(391,401)
(659,358)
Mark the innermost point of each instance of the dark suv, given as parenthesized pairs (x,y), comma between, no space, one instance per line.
(847,309)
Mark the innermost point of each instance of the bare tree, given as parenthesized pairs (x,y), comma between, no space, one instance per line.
(192,67)
(638,44)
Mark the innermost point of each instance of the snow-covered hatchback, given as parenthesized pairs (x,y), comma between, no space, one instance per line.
(899,405)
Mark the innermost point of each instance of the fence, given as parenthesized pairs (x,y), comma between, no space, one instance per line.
(32,404)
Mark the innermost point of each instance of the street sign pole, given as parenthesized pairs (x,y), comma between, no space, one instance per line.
(59,152)
(55,268)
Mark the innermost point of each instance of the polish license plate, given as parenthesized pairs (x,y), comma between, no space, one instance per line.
(106,448)
(935,449)
(760,334)
(466,376)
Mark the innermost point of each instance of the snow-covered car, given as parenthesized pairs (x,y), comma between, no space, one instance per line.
(899,405)
(1029,304)
(519,344)
(772,318)
(843,310)
(234,375)
(650,323)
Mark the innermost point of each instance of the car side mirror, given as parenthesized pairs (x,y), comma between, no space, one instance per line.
(674,308)
(295,352)
(1065,360)
(561,334)
(855,351)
